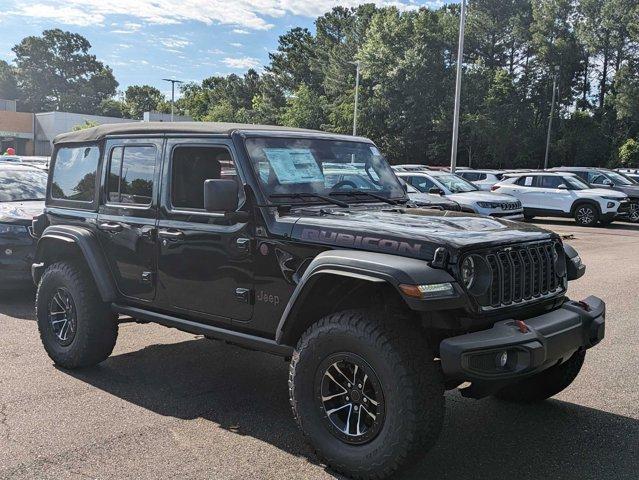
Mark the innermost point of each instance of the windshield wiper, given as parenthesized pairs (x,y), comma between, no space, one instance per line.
(339,203)
(359,193)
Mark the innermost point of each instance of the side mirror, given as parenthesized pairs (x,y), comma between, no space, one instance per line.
(563,186)
(220,195)
(436,191)
(608,183)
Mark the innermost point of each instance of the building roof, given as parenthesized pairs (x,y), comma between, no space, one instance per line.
(94,134)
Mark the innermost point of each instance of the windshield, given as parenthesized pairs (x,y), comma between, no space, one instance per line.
(300,168)
(576,183)
(16,185)
(456,184)
(619,179)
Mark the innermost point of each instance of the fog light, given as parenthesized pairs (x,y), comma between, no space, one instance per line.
(611,204)
(502,359)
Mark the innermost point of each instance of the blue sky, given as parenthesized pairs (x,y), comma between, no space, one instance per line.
(147,40)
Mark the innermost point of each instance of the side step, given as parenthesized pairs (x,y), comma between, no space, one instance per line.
(245,340)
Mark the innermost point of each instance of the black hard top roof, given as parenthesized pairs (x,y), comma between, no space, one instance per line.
(98,133)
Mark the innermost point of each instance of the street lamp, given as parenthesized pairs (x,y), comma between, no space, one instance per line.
(552,114)
(173,82)
(357,64)
(460,58)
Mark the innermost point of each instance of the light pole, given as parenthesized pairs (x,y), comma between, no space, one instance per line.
(357,64)
(460,58)
(173,82)
(552,114)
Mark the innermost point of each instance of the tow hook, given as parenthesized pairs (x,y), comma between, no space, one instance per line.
(584,305)
(523,328)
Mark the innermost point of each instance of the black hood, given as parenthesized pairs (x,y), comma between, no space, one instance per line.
(631,190)
(410,232)
(20,213)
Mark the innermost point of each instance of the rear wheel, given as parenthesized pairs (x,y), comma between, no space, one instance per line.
(77,329)
(586,215)
(366,393)
(545,384)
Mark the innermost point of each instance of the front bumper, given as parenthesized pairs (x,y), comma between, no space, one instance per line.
(510,351)
(16,257)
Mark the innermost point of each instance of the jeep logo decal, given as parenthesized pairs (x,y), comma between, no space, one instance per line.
(348,240)
(265,297)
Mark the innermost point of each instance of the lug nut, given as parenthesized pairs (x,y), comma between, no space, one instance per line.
(347,399)
(356,407)
(359,386)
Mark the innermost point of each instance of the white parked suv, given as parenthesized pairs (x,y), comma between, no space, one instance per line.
(467,195)
(484,179)
(547,194)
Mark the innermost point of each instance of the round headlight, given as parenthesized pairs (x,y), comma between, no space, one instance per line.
(475,274)
(468,272)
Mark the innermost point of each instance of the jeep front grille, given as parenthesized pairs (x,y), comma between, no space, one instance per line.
(521,274)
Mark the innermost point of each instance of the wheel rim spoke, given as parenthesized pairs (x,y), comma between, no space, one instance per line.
(62,316)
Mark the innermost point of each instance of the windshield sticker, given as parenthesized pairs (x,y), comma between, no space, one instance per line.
(294,165)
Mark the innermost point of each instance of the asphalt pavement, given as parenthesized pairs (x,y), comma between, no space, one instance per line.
(171,405)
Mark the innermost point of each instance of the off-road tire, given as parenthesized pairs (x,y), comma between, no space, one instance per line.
(412,383)
(96,326)
(545,384)
(586,211)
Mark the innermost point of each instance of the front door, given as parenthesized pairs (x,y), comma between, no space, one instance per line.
(204,263)
(128,213)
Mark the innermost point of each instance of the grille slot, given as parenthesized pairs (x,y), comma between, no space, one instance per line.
(520,274)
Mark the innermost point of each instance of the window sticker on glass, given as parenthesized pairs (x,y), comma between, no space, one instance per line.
(528,181)
(294,165)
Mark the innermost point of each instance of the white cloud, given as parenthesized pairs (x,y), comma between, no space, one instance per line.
(241,63)
(174,42)
(241,31)
(246,15)
(236,45)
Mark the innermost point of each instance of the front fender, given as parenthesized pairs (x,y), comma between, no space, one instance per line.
(50,245)
(370,267)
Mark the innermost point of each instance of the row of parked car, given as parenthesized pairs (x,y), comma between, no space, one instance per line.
(589,195)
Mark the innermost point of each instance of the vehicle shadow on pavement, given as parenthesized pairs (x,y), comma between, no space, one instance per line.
(246,393)
(18,303)
(565,222)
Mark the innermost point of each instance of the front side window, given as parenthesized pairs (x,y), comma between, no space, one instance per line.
(191,166)
(575,183)
(295,168)
(22,185)
(423,184)
(456,184)
(131,173)
(619,179)
(74,173)
(550,182)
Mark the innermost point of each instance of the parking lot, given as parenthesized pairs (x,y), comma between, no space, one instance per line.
(173,405)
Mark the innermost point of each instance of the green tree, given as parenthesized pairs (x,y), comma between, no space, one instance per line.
(55,71)
(305,109)
(629,153)
(111,107)
(8,84)
(142,98)
(84,125)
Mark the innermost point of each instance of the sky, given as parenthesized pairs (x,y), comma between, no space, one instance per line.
(144,41)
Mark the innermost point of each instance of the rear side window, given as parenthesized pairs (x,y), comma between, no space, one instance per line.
(525,181)
(470,176)
(74,173)
(131,172)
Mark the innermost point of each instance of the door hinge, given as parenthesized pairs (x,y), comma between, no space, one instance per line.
(244,294)
(147,277)
(243,244)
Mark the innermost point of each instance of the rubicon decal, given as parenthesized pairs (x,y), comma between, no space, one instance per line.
(348,240)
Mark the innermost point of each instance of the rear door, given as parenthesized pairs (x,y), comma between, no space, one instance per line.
(127,214)
(205,266)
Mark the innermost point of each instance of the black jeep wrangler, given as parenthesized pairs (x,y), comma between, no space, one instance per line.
(251,235)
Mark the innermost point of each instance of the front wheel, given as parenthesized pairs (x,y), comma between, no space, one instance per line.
(633,212)
(366,393)
(586,215)
(545,384)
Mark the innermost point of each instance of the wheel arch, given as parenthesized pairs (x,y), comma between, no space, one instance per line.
(584,201)
(59,243)
(352,279)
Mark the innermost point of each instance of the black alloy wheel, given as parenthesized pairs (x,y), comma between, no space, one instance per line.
(350,397)
(62,315)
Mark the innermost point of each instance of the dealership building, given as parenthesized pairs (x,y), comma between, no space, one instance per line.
(33,133)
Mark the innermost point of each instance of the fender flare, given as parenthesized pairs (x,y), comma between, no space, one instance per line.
(371,267)
(88,246)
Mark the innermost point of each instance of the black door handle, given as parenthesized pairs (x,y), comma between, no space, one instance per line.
(110,227)
(171,234)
